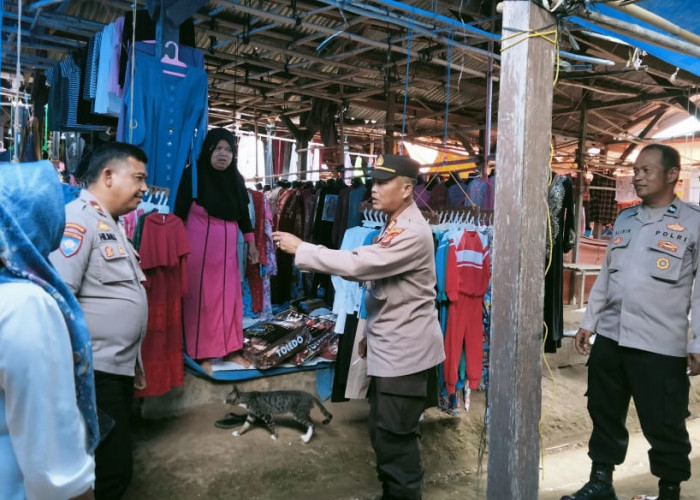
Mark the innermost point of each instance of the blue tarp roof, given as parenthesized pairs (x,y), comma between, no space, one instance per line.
(684,13)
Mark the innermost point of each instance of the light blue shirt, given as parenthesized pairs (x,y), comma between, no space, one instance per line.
(43,450)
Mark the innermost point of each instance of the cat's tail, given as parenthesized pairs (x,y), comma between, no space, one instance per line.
(325,412)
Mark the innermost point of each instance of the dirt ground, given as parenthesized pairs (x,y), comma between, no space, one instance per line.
(187,457)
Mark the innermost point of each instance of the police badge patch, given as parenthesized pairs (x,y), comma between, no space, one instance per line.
(663,263)
(389,236)
(70,243)
(668,245)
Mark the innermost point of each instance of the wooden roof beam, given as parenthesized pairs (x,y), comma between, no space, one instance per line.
(621,102)
(642,135)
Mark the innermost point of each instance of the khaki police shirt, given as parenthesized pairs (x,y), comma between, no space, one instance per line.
(644,291)
(99,264)
(403,333)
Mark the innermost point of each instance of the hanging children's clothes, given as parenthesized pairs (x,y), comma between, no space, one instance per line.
(163,252)
(258,275)
(467,280)
(168,118)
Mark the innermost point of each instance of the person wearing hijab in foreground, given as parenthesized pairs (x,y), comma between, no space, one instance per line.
(48,420)
(213,305)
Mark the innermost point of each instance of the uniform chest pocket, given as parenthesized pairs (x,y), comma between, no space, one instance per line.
(114,266)
(666,260)
(377,289)
(618,252)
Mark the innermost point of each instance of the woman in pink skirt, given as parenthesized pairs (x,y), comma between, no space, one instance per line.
(213,307)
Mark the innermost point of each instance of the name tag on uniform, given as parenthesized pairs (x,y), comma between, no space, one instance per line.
(108,237)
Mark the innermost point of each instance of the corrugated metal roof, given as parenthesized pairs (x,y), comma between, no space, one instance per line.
(266,59)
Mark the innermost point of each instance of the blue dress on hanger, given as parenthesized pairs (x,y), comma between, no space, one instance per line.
(168,116)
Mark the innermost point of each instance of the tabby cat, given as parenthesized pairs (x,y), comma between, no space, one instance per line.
(262,405)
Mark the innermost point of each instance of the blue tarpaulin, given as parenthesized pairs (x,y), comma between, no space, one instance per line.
(683,13)
(324,374)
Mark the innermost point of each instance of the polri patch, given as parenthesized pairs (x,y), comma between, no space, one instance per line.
(663,263)
(675,227)
(617,240)
(75,227)
(102,226)
(120,250)
(70,243)
(667,245)
(389,236)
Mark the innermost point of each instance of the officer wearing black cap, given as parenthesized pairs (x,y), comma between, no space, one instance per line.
(403,340)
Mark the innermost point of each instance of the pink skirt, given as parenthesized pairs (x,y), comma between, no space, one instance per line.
(213,308)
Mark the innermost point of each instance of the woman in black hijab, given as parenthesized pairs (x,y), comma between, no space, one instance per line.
(214,215)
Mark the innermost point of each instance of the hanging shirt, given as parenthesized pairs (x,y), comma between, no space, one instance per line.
(347,292)
(168,118)
(106,102)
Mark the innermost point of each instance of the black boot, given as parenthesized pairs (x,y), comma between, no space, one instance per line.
(599,486)
(669,491)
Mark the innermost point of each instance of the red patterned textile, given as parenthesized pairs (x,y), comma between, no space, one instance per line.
(163,250)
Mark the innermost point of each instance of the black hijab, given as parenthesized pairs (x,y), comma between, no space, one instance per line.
(222,193)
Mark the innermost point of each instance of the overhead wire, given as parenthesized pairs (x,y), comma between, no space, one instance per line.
(15,86)
(405,93)
(132,126)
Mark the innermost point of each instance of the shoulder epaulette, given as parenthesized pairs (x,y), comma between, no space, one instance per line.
(628,210)
(693,206)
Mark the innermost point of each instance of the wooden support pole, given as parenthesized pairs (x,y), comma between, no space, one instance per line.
(578,193)
(524,134)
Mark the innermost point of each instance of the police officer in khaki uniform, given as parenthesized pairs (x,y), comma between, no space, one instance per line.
(638,308)
(99,264)
(403,337)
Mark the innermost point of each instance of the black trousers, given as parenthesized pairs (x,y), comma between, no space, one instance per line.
(396,404)
(113,457)
(659,385)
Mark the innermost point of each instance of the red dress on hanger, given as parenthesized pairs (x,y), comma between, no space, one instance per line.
(163,250)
